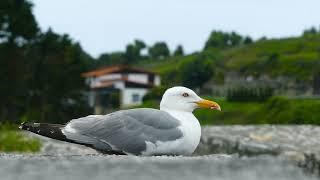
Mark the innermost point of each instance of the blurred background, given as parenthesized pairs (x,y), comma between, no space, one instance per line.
(61,60)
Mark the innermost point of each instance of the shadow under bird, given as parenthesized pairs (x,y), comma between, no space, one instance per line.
(172,130)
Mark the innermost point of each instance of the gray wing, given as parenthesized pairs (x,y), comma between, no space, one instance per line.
(126,130)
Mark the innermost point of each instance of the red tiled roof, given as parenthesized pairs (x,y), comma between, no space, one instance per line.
(113,69)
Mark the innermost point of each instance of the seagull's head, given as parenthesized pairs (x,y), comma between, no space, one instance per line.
(184,99)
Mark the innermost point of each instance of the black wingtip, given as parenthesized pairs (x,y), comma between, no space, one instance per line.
(28,126)
(22,125)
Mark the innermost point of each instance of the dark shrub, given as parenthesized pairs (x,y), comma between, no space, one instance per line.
(155,93)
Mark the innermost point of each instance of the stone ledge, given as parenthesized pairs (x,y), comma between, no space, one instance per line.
(297,143)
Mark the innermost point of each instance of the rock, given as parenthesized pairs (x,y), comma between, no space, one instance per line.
(299,144)
(101,167)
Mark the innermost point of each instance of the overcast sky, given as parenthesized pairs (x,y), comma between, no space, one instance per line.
(106,26)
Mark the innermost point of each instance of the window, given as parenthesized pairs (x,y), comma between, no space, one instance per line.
(135,98)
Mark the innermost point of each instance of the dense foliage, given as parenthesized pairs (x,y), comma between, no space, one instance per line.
(195,73)
(159,50)
(39,71)
(133,54)
(222,40)
(179,51)
(155,93)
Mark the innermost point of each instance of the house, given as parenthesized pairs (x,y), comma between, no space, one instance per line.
(118,86)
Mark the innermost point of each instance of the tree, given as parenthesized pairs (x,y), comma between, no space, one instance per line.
(159,50)
(18,28)
(107,59)
(310,32)
(179,51)
(222,40)
(139,45)
(263,38)
(247,40)
(235,39)
(131,54)
(55,86)
(40,72)
(117,58)
(17,23)
(197,72)
(217,39)
(102,60)
(133,51)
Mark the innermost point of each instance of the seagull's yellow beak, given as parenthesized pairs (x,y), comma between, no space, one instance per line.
(208,104)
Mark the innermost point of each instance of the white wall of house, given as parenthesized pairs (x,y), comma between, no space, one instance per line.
(132,96)
(97,80)
(134,77)
(109,77)
(140,78)
(119,85)
(157,80)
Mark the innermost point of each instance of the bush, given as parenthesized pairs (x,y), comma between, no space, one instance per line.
(195,73)
(155,93)
(280,110)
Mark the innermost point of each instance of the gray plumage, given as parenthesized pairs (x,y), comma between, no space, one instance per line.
(124,131)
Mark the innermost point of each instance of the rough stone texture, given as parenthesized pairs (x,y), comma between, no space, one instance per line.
(298,143)
(100,167)
(265,139)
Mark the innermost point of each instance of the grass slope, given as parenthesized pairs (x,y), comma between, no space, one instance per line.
(297,57)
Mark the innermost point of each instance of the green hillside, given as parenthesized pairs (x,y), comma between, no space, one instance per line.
(296,57)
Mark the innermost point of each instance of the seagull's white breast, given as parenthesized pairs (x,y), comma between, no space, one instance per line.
(185,145)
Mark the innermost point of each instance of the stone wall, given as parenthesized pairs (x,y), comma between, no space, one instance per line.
(300,144)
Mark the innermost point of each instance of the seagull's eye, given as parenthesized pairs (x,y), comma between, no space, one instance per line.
(185,94)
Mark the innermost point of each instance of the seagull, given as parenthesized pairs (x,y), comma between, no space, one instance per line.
(172,130)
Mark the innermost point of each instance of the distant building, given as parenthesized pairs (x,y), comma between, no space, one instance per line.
(316,83)
(282,85)
(118,85)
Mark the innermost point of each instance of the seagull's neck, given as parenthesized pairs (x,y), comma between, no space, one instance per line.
(180,115)
(190,128)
